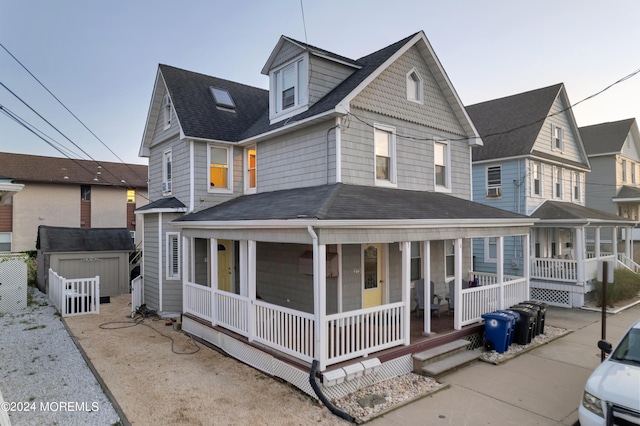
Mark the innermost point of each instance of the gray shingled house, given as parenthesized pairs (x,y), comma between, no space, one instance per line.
(533,162)
(85,253)
(289,225)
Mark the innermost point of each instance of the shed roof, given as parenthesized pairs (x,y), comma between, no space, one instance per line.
(52,239)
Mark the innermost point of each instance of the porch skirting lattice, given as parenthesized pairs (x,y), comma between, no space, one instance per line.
(559,294)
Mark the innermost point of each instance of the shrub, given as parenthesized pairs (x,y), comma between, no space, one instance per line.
(626,284)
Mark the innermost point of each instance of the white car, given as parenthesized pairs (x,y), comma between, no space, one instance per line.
(612,393)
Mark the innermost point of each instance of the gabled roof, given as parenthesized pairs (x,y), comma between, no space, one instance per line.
(200,119)
(509,126)
(61,239)
(349,202)
(24,168)
(607,138)
(569,213)
(170,204)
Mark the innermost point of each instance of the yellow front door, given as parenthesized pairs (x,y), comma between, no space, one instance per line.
(372,277)
(224,265)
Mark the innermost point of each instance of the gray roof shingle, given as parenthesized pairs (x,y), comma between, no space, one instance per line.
(628,192)
(509,126)
(60,239)
(559,210)
(163,203)
(605,137)
(349,202)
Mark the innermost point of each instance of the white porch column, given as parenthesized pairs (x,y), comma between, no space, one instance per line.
(406,291)
(426,267)
(184,270)
(500,269)
(250,267)
(627,245)
(457,310)
(597,243)
(614,241)
(526,264)
(244,268)
(580,255)
(213,274)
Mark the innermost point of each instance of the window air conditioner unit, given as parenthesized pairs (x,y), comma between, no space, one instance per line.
(494,192)
(166,186)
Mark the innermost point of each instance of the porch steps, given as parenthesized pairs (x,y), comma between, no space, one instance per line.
(443,359)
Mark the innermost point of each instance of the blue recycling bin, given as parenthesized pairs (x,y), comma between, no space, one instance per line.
(515,317)
(496,330)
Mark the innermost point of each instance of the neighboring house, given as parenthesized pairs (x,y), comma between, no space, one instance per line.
(85,253)
(614,153)
(533,162)
(66,192)
(288,225)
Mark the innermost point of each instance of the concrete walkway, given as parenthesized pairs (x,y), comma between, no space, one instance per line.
(540,387)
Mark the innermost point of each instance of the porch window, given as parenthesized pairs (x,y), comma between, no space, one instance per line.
(536,174)
(557,138)
(624,170)
(557,182)
(416,261)
(490,250)
(576,186)
(250,169)
(219,169)
(166,172)
(414,86)
(494,181)
(173,255)
(450,258)
(441,164)
(384,140)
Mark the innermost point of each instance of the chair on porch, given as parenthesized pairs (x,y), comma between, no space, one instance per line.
(434,307)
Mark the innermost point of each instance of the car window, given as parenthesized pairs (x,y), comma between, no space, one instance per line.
(629,347)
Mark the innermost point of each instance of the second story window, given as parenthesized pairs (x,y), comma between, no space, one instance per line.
(384,141)
(557,138)
(536,175)
(576,186)
(85,192)
(494,181)
(557,182)
(289,86)
(250,169)
(633,172)
(624,171)
(441,164)
(166,172)
(219,169)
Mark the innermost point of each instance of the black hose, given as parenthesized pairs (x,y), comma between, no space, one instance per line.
(335,410)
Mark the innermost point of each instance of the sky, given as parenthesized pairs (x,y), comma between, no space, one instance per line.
(100,58)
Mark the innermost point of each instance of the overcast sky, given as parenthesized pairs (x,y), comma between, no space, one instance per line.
(100,57)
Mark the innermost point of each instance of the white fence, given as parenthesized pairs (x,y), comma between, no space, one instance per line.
(137,294)
(76,296)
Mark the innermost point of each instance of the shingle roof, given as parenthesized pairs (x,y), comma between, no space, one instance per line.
(33,168)
(163,203)
(559,210)
(61,239)
(628,192)
(349,202)
(200,118)
(509,126)
(196,109)
(605,137)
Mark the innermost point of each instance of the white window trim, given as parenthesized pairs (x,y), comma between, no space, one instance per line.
(540,178)
(168,256)
(487,250)
(229,188)
(453,255)
(392,182)
(301,101)
(498,194)
(624,170)
(555,128)
(632,166)
(245,167)
(10,241)
(166,111)
(447,160)
(576,181)
(420,88)
(167,184)
(557,170)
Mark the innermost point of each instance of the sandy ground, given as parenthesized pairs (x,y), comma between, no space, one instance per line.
(189,385)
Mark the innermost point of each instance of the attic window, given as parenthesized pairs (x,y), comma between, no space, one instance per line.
(414,86)
(222,98)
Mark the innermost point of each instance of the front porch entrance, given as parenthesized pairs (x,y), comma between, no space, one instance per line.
(372,278)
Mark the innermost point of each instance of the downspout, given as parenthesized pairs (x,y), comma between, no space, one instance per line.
(335,410)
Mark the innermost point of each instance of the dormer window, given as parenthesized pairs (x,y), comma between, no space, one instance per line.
(223,99)
(414,86)
(289,86)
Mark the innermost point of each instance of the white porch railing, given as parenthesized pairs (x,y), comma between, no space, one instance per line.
(285,329)
(232,311)
(137,294)
(76,296)
(197,300)
(488,278)
(477,301)
(554,269)
(359,333)
(626,261)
